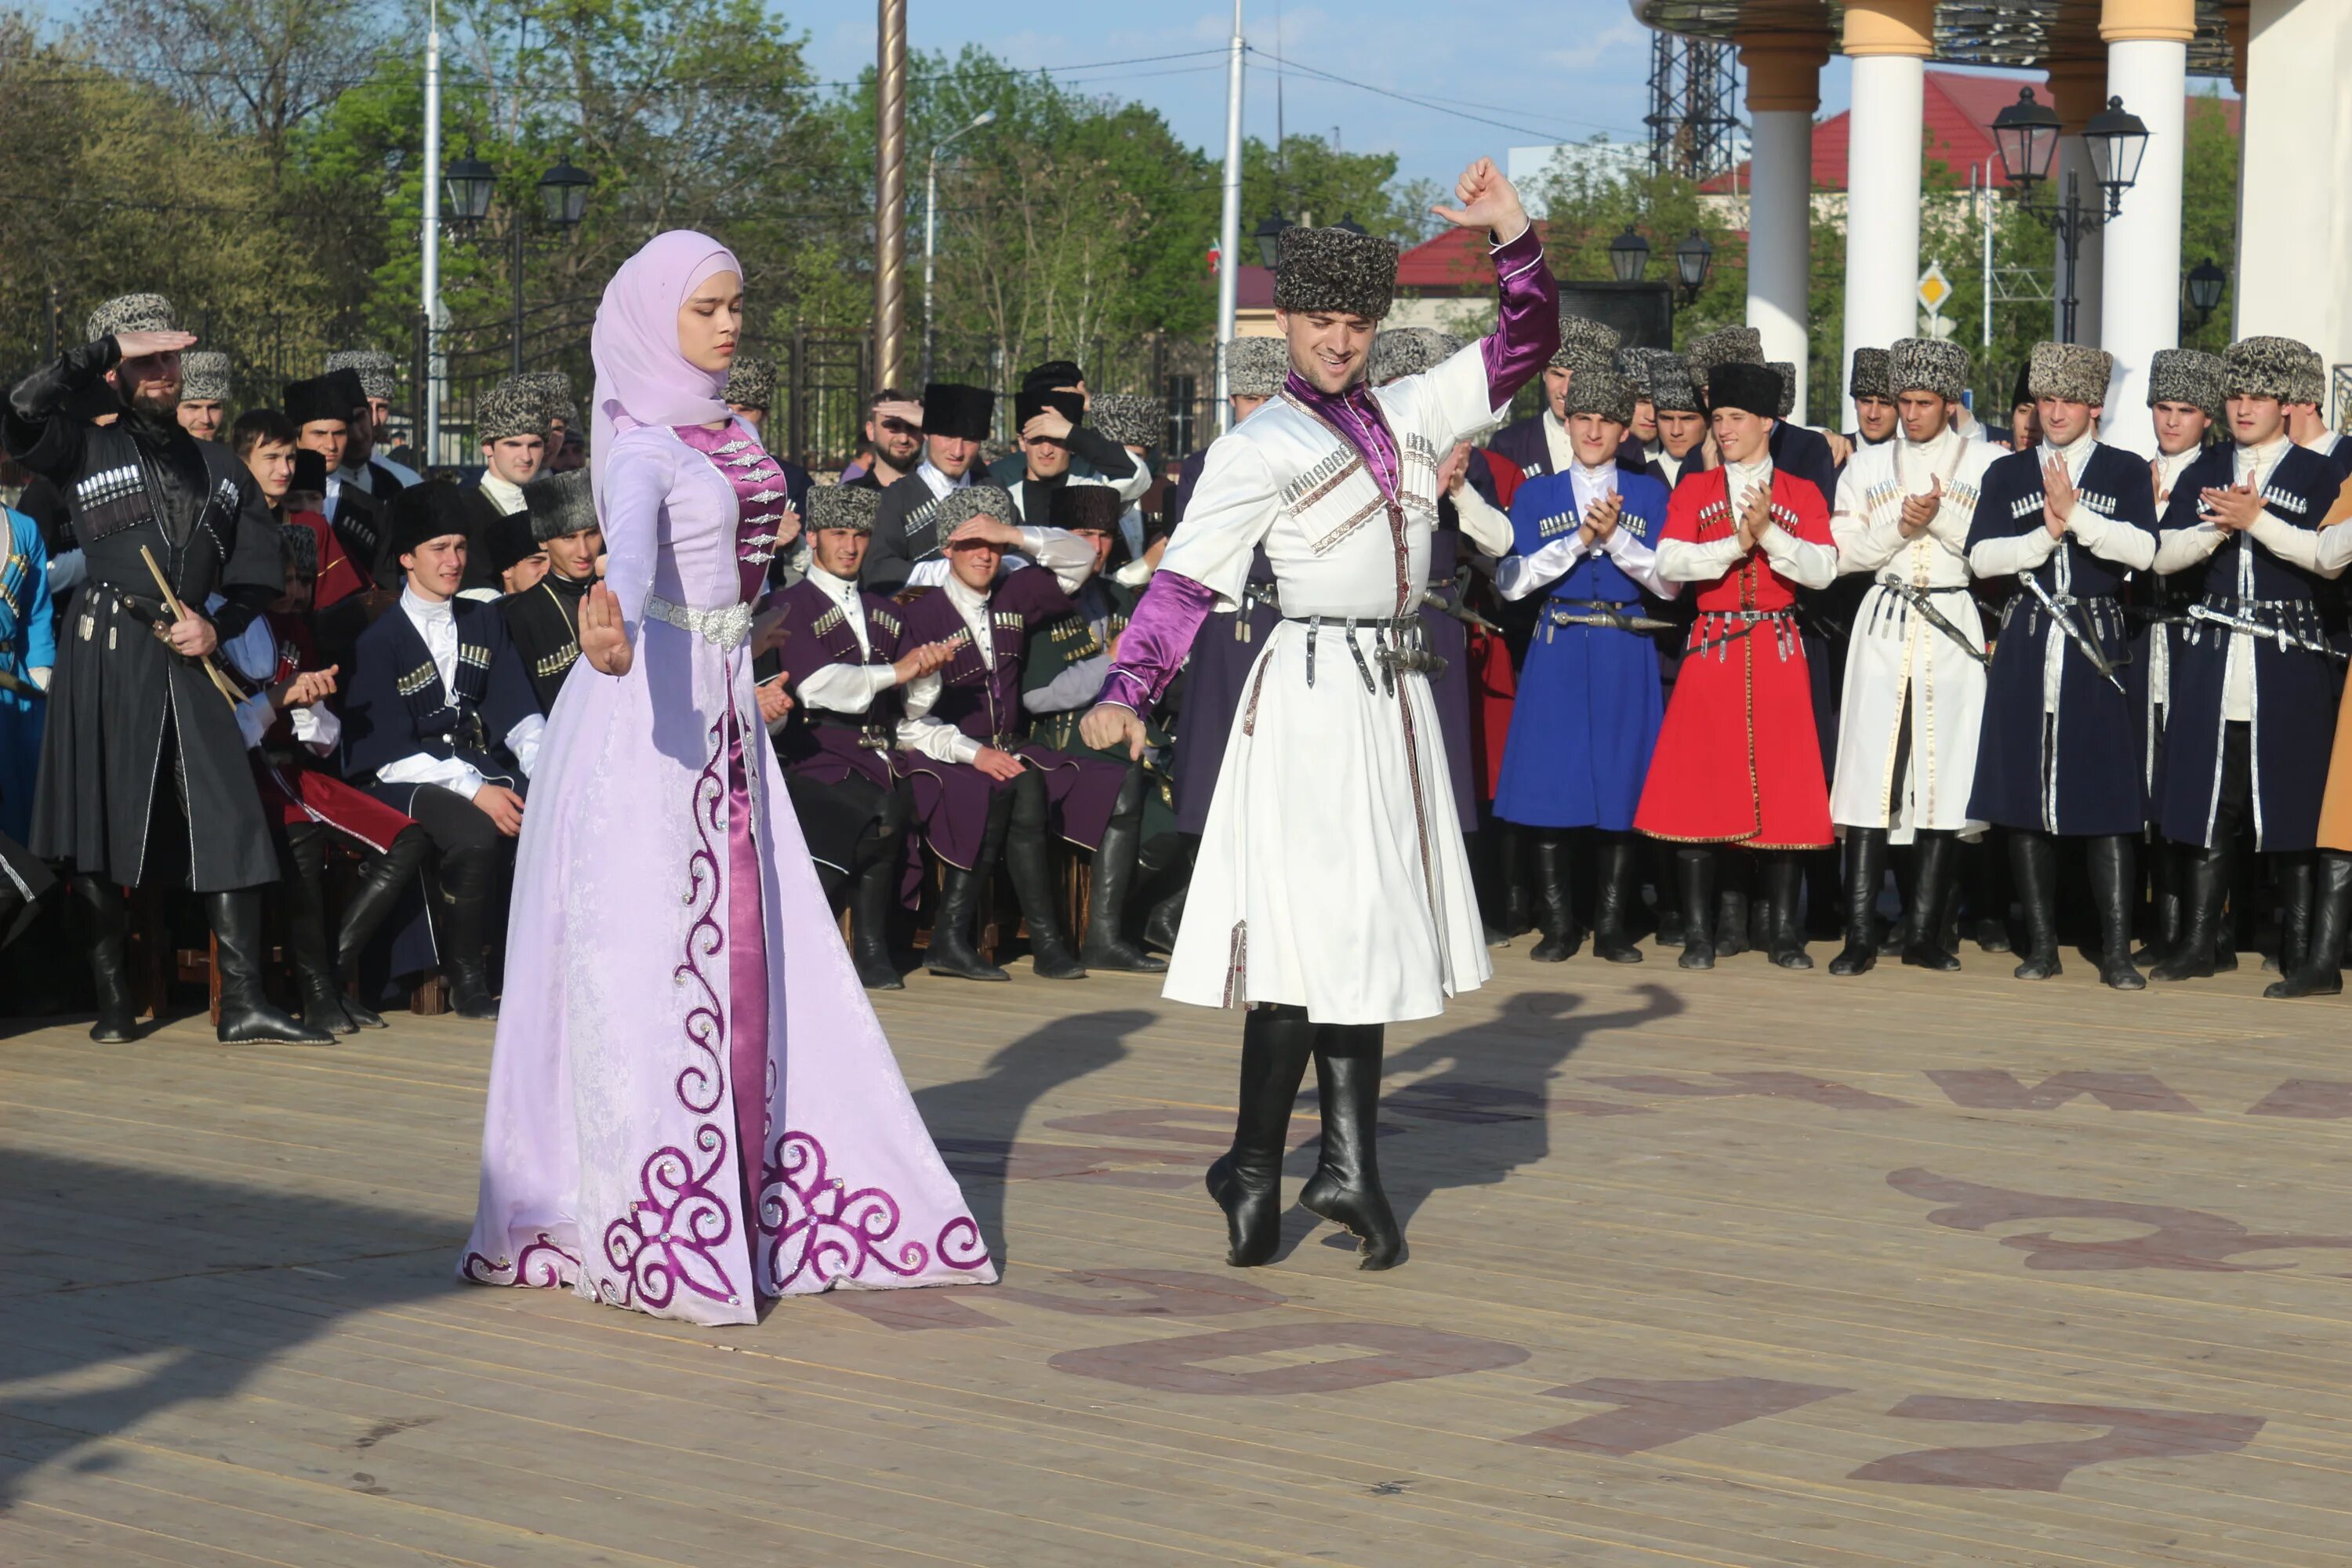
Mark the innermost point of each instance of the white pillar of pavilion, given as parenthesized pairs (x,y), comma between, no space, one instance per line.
(1889,42)
(2295,186)
(2147,67)
(1784,81)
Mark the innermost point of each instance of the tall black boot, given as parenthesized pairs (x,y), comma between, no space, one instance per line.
(2322,974)
(1555,905)
(109,914)
(2114,888)
(1734,918)
(1167,917)
(1106,945)
(1511,865)
(1865,871)
(2163,860)
(1695,880)
(2034,866)
(880,860)
(1618,868)
(1246,1180)
(1981,888)
(2291,876)
(382,883)
(1346,1186)
(306,928)
(2204,884)
(1664,877)
(1922,932)
(467,882)
(246,1014)
(1784,873)
(1028,864)
(952,951)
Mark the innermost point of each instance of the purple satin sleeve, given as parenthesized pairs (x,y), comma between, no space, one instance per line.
(1526,333)
(1152,648)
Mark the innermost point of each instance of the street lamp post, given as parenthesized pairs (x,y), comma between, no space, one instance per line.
(2026,134)
(931,232)
(2203,287)
(467,188)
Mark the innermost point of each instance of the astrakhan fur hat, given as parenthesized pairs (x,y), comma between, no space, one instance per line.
(1726,345)
(2182,375)
(2070,372)
(513,408)
(1585,344)
(1601,392)
(1787,371)
(1400,351)
(377,372)
(848,507)
(1256,367)
(561,505)
(203,376)
(2272,367)
(1868,376)
(750,382)
(130,313)
(1337,271)
(1928,364)
(1133,419)
(1671,389)
(974,501)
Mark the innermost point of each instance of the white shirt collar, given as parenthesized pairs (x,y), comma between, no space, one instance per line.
(837,588)
(2076,452)
(940,484)
(507,498)
(425,611)
(2261,459)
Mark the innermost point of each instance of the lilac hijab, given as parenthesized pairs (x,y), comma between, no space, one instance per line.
(641,376)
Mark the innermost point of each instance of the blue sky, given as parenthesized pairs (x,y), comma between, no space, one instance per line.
(1549,69)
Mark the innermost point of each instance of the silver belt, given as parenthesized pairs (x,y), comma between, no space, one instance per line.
(725,627)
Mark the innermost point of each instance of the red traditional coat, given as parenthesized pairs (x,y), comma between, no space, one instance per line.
(1737,760)
(339,575)
(294,788)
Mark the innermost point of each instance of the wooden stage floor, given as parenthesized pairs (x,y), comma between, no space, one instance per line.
(1742,1268)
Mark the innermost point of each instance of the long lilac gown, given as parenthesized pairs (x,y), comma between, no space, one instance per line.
(682,1042)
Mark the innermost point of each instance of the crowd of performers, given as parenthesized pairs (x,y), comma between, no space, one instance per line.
(1699,675)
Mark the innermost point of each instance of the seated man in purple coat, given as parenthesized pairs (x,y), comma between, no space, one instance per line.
(844,663)
(965,719)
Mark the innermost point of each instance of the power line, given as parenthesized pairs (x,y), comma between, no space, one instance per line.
(1284,68)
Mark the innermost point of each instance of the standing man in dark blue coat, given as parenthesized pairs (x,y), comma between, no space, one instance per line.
(2060,753)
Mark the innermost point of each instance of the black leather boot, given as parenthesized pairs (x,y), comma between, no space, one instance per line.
(1695,874)
(2290,877)
(952,951)
(1346,1186)
(1663,876)
(2163,859)
(109,914)
(465,886)
(2322,974)
(870,902)
(1734,922)
(2114,888)
(1106,945)
(383,882)
(1246,1180)
(1784,879)
(1982,889)
(2204,884)
(306,928)
(1518,897)
(1167,917)
(1618,868)
(2033,867)
(1923,922)
(1555,907)
(246,1014)
(1028,865)
(1865,871)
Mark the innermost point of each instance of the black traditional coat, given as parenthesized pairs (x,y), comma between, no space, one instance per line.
(395,705)
(119,691)
(543,624)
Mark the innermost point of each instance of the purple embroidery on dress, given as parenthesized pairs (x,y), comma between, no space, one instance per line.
(543,1265)
(701,1086)
(674,1232)
(960,1247)
(821,1230)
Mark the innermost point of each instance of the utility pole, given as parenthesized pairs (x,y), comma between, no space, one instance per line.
(890,192)
(428,392)
(1229,232)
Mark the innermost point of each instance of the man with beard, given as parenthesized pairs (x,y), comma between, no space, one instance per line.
(510,423)
(894,437)
(364,463)
(906,539)
(141,744)
(323,409)
(203,392)
(543,619)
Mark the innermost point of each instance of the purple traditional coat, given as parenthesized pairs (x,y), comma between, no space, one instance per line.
(985,704)
(691,1104)
(816,634)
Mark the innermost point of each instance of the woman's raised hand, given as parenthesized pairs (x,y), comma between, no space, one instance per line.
(604,640)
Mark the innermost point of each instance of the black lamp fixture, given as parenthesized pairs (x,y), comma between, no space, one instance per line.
(1269,240)
(1692,258)
(1351,225)
(2204,286)
(2118,141)
(2026,136)
(563,194)
(1629,255)
(467,187)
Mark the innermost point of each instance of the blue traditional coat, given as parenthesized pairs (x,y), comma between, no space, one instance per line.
(2294,726)
(1589,699)
(27,641)
(2072,768)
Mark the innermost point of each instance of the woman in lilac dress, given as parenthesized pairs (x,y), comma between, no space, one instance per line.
(692,1106)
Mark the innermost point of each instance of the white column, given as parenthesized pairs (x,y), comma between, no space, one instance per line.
(2294,208)
(1882,213)
(2143,254)
(1783,91)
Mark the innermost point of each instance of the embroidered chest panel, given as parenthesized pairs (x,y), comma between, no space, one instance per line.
(838,639)
(1007,629)
(1336,494)
(429,698)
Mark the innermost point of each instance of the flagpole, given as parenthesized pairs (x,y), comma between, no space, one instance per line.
(1229,232)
